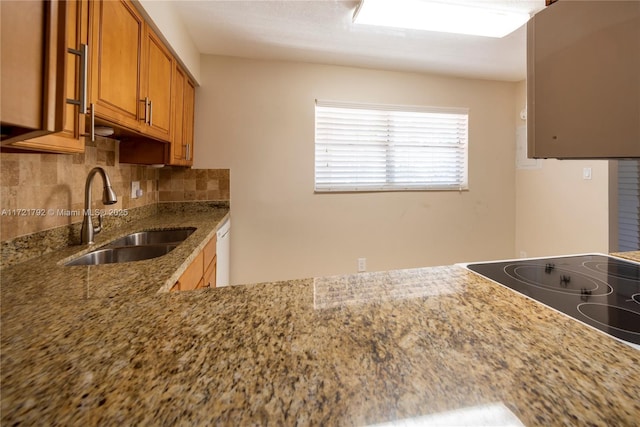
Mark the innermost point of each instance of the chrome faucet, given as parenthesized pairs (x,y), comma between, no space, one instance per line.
(108,198)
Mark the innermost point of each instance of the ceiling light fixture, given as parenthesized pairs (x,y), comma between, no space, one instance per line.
(447,17)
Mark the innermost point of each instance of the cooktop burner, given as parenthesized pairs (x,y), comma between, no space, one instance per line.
(557,280)
(598,290)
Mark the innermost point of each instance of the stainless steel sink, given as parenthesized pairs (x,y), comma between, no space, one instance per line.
(153,237)
(135,247)
(122,254)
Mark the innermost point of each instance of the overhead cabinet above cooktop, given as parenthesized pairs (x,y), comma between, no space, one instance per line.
(583,80)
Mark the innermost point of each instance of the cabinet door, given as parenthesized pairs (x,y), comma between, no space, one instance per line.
(116,55)
(70,139)
(178,150)
(583,80)
(210,263)
(192,276)
(157,86)
(210,274)
(183,104)
(189,113)
(32,68)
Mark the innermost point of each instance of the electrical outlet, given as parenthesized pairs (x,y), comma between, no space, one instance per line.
(523,254)
(135,189)
(362,265)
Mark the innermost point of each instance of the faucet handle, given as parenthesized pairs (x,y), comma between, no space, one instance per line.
(98,229)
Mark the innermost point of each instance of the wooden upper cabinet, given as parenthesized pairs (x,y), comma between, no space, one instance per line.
(178,150)
(129,78)
(157,82)
(132,71)
(583,80)
(32,73)
(183,103)
(189,115)
(116,60)
(70,139)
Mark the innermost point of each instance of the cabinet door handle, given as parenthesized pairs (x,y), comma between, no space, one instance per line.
(93,122)
(82,99)
(188,157)
(83,78)
(146,107)
(150,113)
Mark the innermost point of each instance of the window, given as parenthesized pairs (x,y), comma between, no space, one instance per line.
(390,148)
(628,205)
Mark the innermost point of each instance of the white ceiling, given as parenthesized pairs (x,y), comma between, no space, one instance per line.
(322,31)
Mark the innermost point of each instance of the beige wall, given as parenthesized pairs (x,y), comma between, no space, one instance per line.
(164,19)
(558,212)
(257,118)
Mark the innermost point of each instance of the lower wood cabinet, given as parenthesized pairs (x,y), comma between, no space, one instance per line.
(192,277)
(201,273)
(210,263)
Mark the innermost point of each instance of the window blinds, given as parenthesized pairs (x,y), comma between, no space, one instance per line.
(628,205)
(389,148)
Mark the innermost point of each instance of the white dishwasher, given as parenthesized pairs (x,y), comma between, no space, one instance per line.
(222,253)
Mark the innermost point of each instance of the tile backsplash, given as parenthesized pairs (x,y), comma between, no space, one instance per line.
(179,184)
(43,191)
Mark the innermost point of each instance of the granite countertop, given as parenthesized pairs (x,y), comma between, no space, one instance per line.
(46,279)
(346,350)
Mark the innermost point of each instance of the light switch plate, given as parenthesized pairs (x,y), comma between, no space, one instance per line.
(135,189)
(586,173)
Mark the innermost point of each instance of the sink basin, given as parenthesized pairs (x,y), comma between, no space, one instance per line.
(135,247)
(152,237)
(122,254)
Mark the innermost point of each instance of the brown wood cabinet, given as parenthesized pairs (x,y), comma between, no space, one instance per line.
(583,80)
(181,152)
(133,82)
(116,60)
(210,263)
(157,86)
(32,74)
(201,273)
(131,71)
(70,139)
(189,117)
(192,277)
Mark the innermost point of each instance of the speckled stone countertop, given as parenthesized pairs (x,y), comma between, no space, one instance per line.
(633,256)
(347,350)
(46,280)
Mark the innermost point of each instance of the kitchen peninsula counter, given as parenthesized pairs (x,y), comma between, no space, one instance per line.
(46,280)
(345,350)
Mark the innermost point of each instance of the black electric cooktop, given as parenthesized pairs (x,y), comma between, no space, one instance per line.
(598,290)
